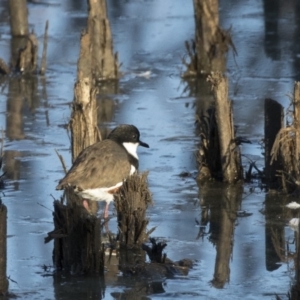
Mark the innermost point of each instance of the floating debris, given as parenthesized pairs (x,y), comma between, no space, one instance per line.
(146,74)
(293,205)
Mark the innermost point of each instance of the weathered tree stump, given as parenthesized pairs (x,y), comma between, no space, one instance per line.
(273,124)
(4,69)
(81,248)
(297,124)
(18,17)
(211,42)
(28,55)
(208,157)
(104,63)
(3,250)
(77,240)
(83,123)
(131,204)
(24,46)
(229,151)
(286,147)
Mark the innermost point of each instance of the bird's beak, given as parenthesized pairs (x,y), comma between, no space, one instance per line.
(143,144)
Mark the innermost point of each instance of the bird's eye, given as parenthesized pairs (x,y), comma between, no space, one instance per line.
(134,136)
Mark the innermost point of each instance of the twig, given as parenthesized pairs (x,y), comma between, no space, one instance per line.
(62,161)
(44,206)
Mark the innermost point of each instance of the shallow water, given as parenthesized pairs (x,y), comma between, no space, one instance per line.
(149,37)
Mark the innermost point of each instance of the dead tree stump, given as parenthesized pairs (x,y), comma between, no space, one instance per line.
(273,124)
(24,46)
(3,251)
(297,123)
(211,42)
(77,240)
(28,55)
(104,62)
(286,147)
(208,157)
(229,150)
(131,204)
(18,17)
(80,247)
(83,123)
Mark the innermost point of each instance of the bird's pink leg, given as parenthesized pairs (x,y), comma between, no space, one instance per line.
(85,204)
(106,211)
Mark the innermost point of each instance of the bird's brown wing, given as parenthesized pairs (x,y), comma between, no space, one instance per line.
(103,164)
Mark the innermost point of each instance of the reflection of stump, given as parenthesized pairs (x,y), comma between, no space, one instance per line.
(77,240)
(72,287)
(225,216)
(3,278)
(131,203)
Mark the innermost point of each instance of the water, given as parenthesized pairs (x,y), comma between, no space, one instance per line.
(149,37)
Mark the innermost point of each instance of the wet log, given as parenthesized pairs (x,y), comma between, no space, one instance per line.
(18,17)
(104,62)
(273,124)
(3,250)
(229,151)
(212,43)
(131,204)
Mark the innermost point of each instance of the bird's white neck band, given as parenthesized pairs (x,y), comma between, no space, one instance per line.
(131,148)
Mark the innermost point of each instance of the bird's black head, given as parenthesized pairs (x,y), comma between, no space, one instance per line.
(126,134)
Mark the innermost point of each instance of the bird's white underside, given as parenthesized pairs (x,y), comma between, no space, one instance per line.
(101,194)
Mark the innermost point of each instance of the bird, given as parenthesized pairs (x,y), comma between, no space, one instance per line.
(100,169)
